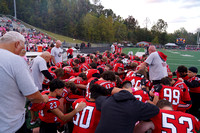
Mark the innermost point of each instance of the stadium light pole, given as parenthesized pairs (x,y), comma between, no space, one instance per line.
(198,39)
(15,10)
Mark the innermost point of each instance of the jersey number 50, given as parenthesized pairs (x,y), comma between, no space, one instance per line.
(82,118)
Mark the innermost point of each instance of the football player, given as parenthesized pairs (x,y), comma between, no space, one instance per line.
(165,91)
(87,120)
(50,115)
(169,121)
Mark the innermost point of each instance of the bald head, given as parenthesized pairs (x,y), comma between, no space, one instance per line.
(58,43)
(46,56)
(152,49)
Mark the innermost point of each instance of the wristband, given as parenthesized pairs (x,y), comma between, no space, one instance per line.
(156,94)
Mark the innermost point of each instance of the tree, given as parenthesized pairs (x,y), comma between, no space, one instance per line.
(131,23)
(89,26)
(155,40)
(160,26)
(4,7)
(120,31)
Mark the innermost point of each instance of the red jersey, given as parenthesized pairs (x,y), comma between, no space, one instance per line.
(168,70)
(88,94)
(106,54)
(69,96)
(78,81)
(87,120)
(118,50)
(129,74)
(141,96)
(88,60)
(70,63)
(168,121)
(135,79)
(38,106)
(46,115)
(172,94)
(132,57)
(196,89)
(101,66)
(70,51)
(68,70)
(186,96)
(138,62)
(100,62)
(59,64)
(84,67)
(105,83)
(90,72)
(117,65)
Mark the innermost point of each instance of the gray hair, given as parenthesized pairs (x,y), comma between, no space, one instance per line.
(12,36)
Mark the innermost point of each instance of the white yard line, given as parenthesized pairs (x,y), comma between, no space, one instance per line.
(179,64)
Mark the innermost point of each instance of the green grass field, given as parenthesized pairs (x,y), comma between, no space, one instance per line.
(175,58)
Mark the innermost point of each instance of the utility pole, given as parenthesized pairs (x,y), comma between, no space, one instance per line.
(146,22)
(198,39)
(15,10)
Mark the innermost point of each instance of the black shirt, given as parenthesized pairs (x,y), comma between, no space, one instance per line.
(120,112)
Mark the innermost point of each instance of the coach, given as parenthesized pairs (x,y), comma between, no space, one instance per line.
(56,53)
(157,65)
(16,83)
(39,69)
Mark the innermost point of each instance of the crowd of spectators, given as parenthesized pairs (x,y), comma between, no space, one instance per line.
(35,41)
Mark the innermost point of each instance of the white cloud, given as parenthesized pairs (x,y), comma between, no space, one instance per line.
(177,13)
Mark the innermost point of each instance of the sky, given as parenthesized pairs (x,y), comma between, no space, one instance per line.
(177,13)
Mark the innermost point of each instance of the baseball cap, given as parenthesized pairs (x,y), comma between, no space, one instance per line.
(193,69)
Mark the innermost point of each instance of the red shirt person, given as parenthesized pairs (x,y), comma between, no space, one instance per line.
(185,102)
(70,52)
(87,120)
(51,114)
(165,91)
(169,121)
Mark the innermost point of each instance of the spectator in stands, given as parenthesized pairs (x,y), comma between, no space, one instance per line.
(16,84)
(157,65)
(56,53)
(39,69)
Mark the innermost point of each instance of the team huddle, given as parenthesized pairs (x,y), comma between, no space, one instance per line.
(88,83)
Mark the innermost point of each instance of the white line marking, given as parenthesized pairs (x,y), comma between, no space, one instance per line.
(187,55)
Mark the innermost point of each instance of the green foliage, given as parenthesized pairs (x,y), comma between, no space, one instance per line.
(4,7)
(160,26)
(155,40)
